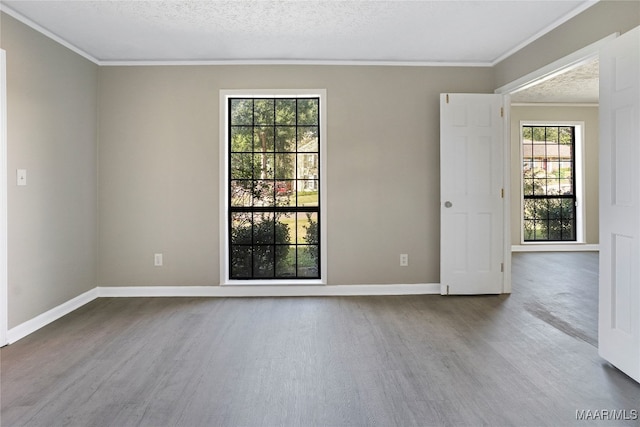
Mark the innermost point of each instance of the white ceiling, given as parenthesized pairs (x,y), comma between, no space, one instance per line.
(576,85)
(476,32)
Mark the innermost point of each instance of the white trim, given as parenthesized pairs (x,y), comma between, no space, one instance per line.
(30,326)
(9,11)
(557,67)
(551,247)
(268,291)
(578,10)
(506,185)
(42,320)
(556,104)
(225,94)
(4,189)
(340,62)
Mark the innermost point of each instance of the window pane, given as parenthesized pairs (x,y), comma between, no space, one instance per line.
(241,111)
(541,209)
(241,228)
(308,261)
(308,192)
(241,138)
(241,166)
(539,134)
(285,167)
(263,139)
(241,261)
(307,228)
(241,193)
(285,228)
(308,138)
(566,135)
(263,193)
(539,186)
(568,231)
(263,164)
(285,139)
(529,209)
(307,111)
(285,196)
(264,261)
(263,228)
(264,111)
(307,167)
(529,229)
(553,186)
(555,209)
(285,261)
(285,111)
(541,231)
(555,230)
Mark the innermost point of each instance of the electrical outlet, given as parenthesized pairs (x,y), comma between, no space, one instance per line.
(157,260)
(404,260)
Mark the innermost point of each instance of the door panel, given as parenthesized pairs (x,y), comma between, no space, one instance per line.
(471,177)
(619,317)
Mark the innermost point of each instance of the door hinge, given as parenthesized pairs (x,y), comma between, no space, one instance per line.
(447,98)
(502,193)
(502,267)
(501,111)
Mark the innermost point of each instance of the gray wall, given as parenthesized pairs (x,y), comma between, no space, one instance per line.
(159,176)
(52,125)
(604,18)
(588,115)
(158,162)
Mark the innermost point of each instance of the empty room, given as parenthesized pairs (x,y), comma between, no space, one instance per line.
(319,213)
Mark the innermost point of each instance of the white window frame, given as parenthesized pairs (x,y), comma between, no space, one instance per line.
(578,176)
(224,177)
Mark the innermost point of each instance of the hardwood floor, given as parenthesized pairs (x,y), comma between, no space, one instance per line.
(528,359)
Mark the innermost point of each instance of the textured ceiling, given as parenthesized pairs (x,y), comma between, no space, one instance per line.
(576,85)
(477,32)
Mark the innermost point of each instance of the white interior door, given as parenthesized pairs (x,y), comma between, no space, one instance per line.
(619,317)
(471,194)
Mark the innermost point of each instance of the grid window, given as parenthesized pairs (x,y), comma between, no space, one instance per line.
(274,185)
(549,190)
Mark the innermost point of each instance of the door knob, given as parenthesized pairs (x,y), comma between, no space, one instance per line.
(448,204)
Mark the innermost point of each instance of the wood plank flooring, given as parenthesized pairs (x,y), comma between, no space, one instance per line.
(528,359)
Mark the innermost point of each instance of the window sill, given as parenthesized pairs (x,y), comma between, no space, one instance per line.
(298,282)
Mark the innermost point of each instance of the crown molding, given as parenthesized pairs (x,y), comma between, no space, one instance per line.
(545,30)
(28,22)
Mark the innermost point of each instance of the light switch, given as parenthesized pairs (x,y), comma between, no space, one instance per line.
(21,176)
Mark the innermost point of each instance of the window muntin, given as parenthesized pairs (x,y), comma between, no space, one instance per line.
(549,185)
(273,187)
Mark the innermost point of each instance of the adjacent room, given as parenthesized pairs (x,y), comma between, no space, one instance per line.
(332,213)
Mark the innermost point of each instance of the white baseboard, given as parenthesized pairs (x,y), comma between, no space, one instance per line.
(547,247)
(30,326)
(267,291)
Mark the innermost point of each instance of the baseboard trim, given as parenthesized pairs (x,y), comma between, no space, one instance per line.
(556,248)
(267,291)
(30,326)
